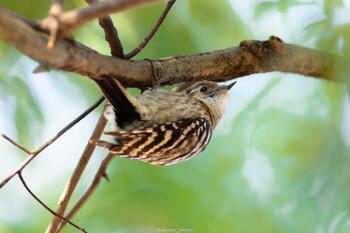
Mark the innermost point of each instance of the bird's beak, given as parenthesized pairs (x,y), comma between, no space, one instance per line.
(228,87)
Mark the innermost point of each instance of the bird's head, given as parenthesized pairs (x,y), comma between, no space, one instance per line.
(214,96)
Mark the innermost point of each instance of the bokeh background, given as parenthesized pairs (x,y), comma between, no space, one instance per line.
(278,162)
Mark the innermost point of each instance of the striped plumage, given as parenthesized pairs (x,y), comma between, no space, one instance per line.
(162,127)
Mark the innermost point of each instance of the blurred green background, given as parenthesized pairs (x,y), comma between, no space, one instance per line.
(278,162)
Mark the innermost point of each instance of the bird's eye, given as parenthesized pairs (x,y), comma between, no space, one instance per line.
(204,89)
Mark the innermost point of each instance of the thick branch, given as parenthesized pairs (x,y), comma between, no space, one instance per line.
(249,58)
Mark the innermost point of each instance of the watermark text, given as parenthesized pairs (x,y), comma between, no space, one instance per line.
(175,229)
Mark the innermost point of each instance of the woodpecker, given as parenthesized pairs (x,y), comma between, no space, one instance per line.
(162,127)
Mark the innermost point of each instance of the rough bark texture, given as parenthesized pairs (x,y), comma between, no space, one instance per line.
(249,57)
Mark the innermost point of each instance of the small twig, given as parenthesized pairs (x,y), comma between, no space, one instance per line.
(37,27)
(55,12)
(78,171)
(111,34)
(56,7)
(112,37)
(34,153)
(77,18)
(45,206)
(101,173)
(70,125)
(15,144)
(152,32)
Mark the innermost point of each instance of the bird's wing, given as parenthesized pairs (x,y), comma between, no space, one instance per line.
(124,105)
(162,144)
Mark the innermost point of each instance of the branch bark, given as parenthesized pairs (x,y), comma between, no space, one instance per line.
(249,57)
(101,173)
(77,18)
(78,171)
(111,34)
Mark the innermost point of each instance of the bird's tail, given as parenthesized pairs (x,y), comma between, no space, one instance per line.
(124,105)
(113,90)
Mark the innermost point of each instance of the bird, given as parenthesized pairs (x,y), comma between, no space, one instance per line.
(162,127)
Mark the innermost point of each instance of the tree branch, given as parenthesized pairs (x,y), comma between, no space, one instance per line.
(101,173)
(45,206)
(112,37)
(249,58)
(78,171)
(37,151)
(111,34)
(77,18)
(56,10)
(152,32)
(15,144)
